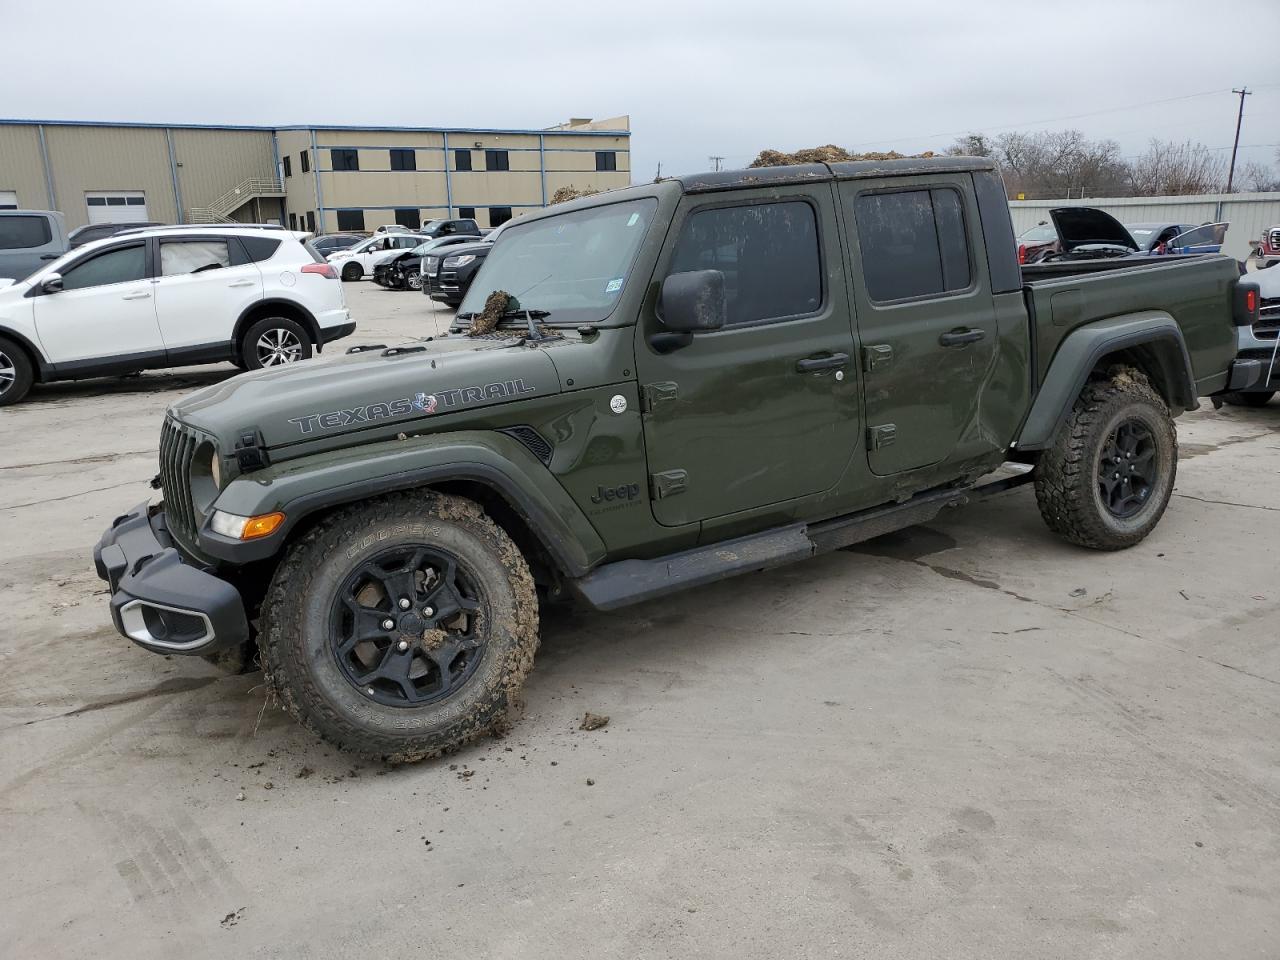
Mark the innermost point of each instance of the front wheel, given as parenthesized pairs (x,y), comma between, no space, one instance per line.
(1107,479)
(401,627)
(16,375)
(413,280)
(1258,398)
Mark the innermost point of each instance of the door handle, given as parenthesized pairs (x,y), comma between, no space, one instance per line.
(810,364)
(240,283)
(143,295)
(958,338)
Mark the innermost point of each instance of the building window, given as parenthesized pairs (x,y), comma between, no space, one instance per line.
(499,215)
(311,221)
(288,166)
(466,213)
(497,160)
(410,217)
(305,158)
(350,219)
(768,253)
(293,221)
(606,160)
(462,160)
(913,244)
(345,159)
(404,160)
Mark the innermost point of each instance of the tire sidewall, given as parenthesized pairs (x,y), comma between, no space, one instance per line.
(24,376)
(249,346)
(1166,443)
(311,646)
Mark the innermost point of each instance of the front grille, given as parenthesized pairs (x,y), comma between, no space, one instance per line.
(1268,324)
(178,445)
(1273,238)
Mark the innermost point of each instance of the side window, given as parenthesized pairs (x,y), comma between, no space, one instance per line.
(345,159)
(179,257)
(499,215)
(288,166)
(913,243)
(606,160)
(404,160)
(255,249)
(768,253)
(462,160)
(468,213)
(497,160)
(347,220)
(305,159)
(120,265)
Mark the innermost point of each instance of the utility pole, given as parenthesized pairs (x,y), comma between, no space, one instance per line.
(716,163)
(1231,174)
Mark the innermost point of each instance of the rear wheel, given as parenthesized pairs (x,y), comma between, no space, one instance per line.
(401,627)
(274,342)
(1108,477)
(352,271)
(1256,399)
(16,375)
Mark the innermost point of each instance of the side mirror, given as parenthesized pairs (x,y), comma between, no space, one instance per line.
(693,302)
(51,283)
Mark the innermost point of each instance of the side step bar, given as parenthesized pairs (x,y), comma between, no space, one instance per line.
(618,584)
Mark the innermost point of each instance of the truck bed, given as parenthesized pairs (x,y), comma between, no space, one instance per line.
(1195,290)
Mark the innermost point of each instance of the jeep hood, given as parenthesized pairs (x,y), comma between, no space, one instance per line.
(1082,226)
(377,392)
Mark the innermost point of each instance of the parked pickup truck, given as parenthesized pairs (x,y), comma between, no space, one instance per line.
(649,390)
(29,239)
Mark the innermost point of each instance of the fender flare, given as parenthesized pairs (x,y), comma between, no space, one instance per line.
(1153,332)
(43,368)
(301,488)
(243,322)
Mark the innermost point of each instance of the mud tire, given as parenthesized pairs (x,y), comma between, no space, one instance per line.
(302,669)
(1066,478)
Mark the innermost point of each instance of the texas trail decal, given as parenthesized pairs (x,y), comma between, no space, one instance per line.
(417,405)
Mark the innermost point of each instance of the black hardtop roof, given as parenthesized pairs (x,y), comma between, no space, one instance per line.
(845,170)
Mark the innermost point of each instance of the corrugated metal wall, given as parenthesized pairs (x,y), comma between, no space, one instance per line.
(1248,213)
(20,167)
(87,159)
(211,162)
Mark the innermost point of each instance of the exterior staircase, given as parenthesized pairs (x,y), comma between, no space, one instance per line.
(220,210)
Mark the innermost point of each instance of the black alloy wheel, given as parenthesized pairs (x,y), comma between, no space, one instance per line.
(1127,469)
(407,626)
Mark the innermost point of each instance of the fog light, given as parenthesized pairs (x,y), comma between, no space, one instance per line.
(245,528)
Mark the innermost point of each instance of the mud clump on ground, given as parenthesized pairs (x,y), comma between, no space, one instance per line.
(593,721)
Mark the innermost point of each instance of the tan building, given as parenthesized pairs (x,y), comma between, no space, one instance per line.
(319,178)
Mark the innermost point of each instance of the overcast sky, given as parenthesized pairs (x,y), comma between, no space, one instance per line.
(697,78)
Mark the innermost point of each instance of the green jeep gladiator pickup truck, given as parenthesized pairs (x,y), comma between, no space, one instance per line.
(687,380)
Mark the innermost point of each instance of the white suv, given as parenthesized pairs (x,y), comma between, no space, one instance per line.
(356,263)
(169,297)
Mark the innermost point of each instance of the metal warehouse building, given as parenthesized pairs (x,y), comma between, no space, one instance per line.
(318,178)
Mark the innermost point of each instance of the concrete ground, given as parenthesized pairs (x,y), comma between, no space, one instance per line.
(967,740)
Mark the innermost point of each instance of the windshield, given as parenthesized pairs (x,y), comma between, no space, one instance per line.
(573,265)
(1141,234)
(1044,233)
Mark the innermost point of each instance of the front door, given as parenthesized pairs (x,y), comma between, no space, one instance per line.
(105,311)
(766,409)
(202,290)
(925,318)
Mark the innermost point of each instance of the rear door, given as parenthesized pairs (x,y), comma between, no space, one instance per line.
(105,311)
(925,317)
(764,410)
(203,286)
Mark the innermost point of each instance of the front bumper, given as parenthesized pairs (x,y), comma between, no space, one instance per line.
(160,600)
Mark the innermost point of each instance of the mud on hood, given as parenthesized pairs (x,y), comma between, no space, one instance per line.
(380,391)
(1081,226)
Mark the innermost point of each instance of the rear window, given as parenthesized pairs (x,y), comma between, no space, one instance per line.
(18,233)
(259,248)
(913,244)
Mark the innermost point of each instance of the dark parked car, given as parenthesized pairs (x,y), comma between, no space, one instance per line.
(100,231)
(447,228)
(332,242)
(405,271)
(447,275)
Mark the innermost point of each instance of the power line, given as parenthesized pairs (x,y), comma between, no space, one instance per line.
(1033,123)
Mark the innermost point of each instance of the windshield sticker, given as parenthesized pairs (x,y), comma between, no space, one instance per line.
(613,286)
(420,403)
(633,220)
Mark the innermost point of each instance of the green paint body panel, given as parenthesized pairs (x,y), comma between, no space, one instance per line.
(739,438)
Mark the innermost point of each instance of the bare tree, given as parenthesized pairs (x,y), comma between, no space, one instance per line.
(1259,178)
(1061,163)
(1175,169)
